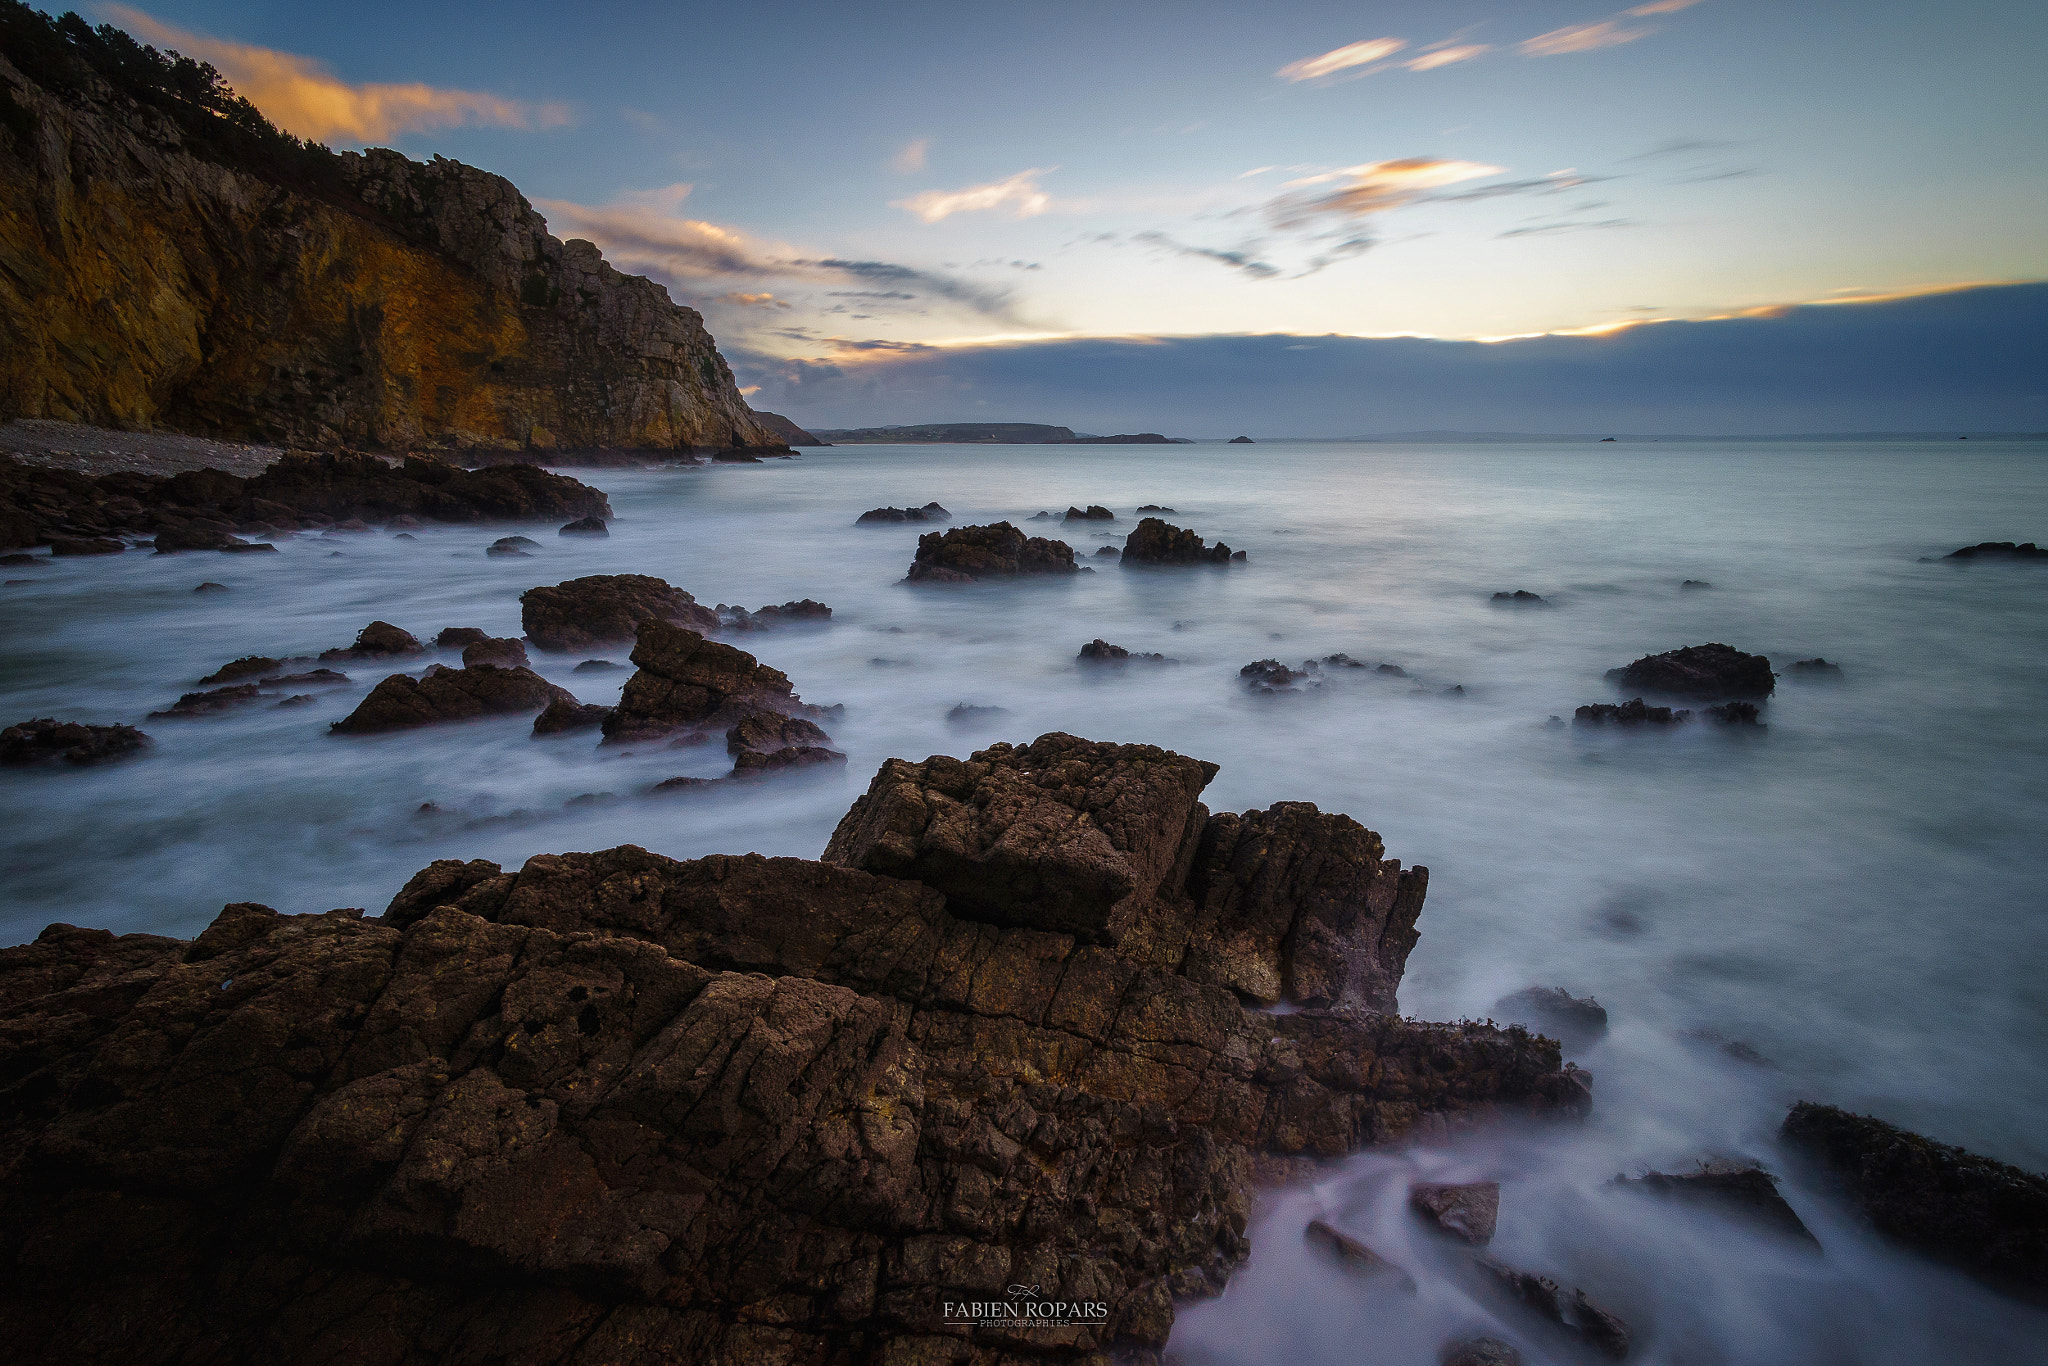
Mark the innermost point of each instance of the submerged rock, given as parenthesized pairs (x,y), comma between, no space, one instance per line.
(1269,675)
(1734,714)
(597,666)
(1988,1218)
(1095,512)
(211,587)
(1743,1189)
(1099,651)
(33,742)
(930,512)
(512,545)
(208,703)
(630,1108)
(965,714)
(1353,1256)
(684,681)
(242,668)
(1816,669)
(1634,712)
(379,640)
(803,609)
(1998,550)
(997,551)
(1694,585)
(1521,597)
(1578,1315)
(1570,1019)
(1156,542)
(1705,673)
(195,537)
(316,678)
(445,694)
(585,526)
(1478,1351)
(1467,1211)
(605,609)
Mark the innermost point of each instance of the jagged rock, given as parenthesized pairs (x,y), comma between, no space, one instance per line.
(1740,1188)
(1099,651)
(1269,675)
(1816,668)
(1950,1204)
(1521,597)
(445,694)
(998,551)
(503,651)
(768,731)
(626,1108)
(597,666)
(1095,513)
(460,637)
(1572,1020)
(510,545)
(1705,673)
(740,619)
(585,526)
(317,678)
(1734,714)
(1468,1211)
(1154,507)
(1342,661)
(379,640)
(749,762)
(562,715)
(1354,1256)
(1634,712)
(930,512)
(1476,1351)
(605,609)
(1156,542)
(966,714)
(1574,1312)
(74,742)
(1041,517)
(242,668)
(63,545)
(1998,550)
(208,703)
(684,680)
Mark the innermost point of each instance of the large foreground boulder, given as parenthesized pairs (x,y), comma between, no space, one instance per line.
(1705,673)
(445,694)
(366,486)
(614,1108)
(605,609)
(686,682)
(998,551)
(1156,541)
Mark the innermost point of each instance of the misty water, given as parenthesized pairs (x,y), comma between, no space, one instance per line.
(1853,892)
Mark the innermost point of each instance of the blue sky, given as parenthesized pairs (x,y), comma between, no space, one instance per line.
(821,178)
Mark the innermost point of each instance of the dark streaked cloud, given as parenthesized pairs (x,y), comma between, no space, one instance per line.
(1971,359)
(1241,261)
(1580,225)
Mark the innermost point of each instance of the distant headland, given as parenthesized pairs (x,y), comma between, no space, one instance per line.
(985,434)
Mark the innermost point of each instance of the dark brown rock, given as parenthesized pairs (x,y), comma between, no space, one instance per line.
(1353,1256)
(1742,1189)
(605,609)
(379,640)
(1734,714)
(1099,651)
(500,650)
(1468,1211)
(1521,597)
(930,512)
(768,731)
(1095,512)
(1576,1314)
(445,694)
(585,526)
(597,666)
(510,545)
(61,545)
(1269,675)
(1704,673)
(74,742)
(1476,1351)
(1816,668)
(195,537)
(1634,712)
(997,551)
(1982,1215)
(209,703)
(686,681)
(751,762)
(459,637)
(562,716)
(316,678)
(242,668)
(355,486)
(1155,542)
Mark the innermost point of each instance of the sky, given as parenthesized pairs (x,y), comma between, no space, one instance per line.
(902,212)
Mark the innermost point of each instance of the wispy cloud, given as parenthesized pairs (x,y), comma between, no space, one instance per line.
(1582,38)
(1660,7)
(1549,229)
(1019,194)
(910,158)
(1373,188)
(303,97)
(1445,56)
(1341,59)
(1242,261)
(739,300)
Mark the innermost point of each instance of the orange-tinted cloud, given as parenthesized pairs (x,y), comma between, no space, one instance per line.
(1445,56)
(911,157)
(1373,188)
(1583,38)
(303,97)
(1341,59)
(1019,194)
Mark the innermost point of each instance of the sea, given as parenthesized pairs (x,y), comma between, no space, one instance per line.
(1845,904)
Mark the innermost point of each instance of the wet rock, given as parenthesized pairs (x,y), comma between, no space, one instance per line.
(802,610)
(560,716)
(605,609)
(585,799)
(1576,1314)
(597,666)
(684,681)
(1634,712)
(459,637)
(1468,1211)
(303,699)
(585,526)
(209,703)
(965,714)
(1094,513)
(211,587)
(354,526)
(243,668)
(1477,1351)
(512,545)
(1734,714)
(1998,550)
(33,742)
(1353,1256)
(445,694)
(1042,517)
(1816,669)
(1342,661)
(681,784)
(61,545)
(403,536)
(20,558)
(1154,507)
(1521,598)
(196,537)
(1694,585)
(1391,670)
(1156,542)
(751,762)
(930,512)
(1740,1188)
(1705,673)
(328,486)
(404,521)
(998,551)
(316,678)
(1945,1202)
(1574,1021)
(378,640)
(768,731)
(500,650)
(1099,651)
(1269,675)
(1455,690)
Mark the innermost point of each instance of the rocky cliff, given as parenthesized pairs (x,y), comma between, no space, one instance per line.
(168,260)
(615,1108)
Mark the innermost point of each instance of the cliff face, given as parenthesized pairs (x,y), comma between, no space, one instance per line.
(396,305)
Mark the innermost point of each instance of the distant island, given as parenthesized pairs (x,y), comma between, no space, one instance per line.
(985,434)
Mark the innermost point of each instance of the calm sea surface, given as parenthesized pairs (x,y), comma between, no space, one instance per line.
(1855,892)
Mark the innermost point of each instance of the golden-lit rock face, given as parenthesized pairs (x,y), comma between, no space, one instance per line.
(400,305)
